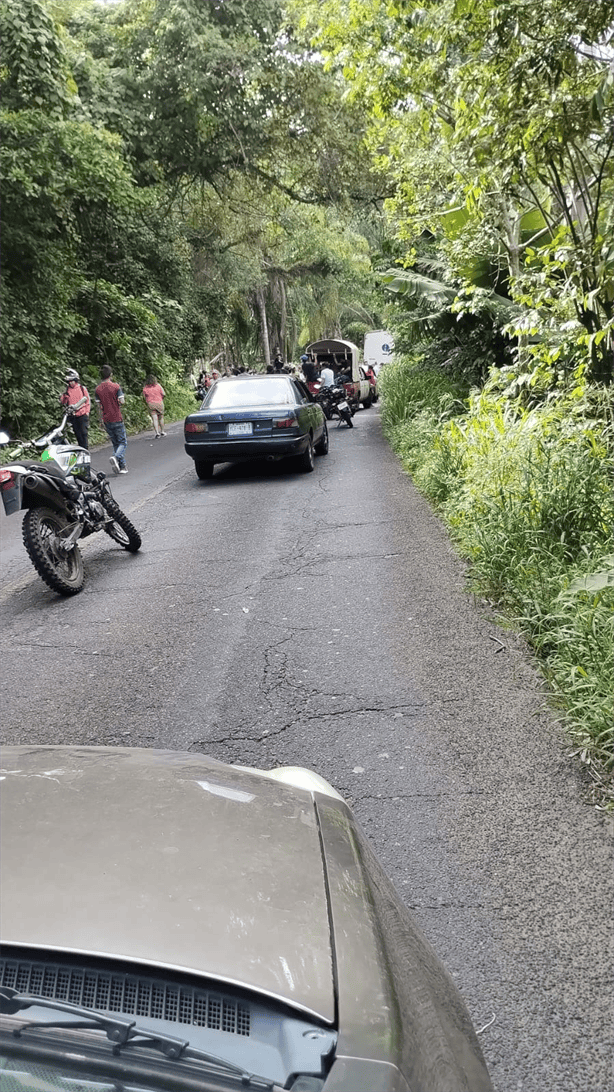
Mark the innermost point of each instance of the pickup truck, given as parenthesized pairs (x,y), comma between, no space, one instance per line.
(342,356)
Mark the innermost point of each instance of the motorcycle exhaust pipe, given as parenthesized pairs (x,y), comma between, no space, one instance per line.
(42,488)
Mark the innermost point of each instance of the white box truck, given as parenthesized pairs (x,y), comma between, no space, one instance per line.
(379,348)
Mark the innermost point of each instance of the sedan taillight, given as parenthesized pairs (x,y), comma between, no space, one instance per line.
(284,422)
(194,426)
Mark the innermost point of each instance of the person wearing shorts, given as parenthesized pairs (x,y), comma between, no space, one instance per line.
(153,397)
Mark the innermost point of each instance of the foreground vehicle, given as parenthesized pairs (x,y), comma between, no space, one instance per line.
(255,417)
(63,501)
(170,922)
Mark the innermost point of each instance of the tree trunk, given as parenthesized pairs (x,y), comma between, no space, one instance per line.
(264,328)
(511,221)
(283,321)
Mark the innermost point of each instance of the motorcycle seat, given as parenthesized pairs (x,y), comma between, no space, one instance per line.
(46,468)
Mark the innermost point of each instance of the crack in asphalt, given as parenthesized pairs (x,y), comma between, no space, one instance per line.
(392,798)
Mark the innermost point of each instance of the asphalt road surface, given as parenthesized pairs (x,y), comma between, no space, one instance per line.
(322,620)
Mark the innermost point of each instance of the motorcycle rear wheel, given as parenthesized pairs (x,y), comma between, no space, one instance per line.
(121,530)
(62,572)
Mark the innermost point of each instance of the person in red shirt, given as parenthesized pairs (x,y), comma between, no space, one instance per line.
(77,395)
(109,399)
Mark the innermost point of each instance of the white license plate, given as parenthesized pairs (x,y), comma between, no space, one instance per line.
(239,428)
(343,405)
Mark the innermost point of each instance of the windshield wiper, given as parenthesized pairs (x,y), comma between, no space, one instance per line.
(120,1032)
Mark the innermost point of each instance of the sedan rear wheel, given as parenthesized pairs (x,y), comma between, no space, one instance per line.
(322,444)
(306,462)
(204,470)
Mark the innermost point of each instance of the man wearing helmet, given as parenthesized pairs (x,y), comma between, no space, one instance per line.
(76,395)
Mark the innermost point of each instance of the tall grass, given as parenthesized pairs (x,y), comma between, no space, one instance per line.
(527,496)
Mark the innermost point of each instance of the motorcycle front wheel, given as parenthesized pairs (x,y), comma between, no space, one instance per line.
(63,572)
(121,530)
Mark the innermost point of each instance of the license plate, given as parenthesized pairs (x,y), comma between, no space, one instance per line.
(239,428)
(343,405)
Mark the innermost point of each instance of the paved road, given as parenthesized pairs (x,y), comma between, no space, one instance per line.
(321,619)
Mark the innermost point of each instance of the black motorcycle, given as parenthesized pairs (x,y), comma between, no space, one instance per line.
(334,403)
(64,501)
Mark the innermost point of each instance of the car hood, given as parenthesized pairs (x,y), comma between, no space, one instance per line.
(169,860)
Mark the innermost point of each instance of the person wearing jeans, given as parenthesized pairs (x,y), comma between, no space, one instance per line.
(109,399)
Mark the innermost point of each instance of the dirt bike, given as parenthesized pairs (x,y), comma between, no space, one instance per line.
(64,500)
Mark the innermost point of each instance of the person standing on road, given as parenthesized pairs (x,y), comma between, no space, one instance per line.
(310,368)
(153,397)
(77,395)
(109,399)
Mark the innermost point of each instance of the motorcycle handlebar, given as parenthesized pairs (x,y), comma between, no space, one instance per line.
(49,437)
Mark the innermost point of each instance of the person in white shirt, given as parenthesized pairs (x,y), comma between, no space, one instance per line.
(327,376)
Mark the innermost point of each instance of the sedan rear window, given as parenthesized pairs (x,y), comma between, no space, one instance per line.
(246,392)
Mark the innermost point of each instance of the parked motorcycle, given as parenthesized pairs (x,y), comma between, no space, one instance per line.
(64,500)
(334,403)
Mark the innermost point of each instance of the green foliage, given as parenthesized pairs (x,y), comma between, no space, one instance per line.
(94,271)
(527,495)
(34,72)
(493,122)
(463,326)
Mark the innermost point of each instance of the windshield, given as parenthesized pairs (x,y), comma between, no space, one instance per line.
(245,392)
(28,1075)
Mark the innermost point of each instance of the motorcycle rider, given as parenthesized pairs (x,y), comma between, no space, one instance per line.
(77,395)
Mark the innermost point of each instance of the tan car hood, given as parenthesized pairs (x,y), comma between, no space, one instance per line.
(169,860)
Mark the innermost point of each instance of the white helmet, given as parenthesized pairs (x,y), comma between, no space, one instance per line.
(70,375)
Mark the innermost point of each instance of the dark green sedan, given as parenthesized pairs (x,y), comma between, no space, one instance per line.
(256,417)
